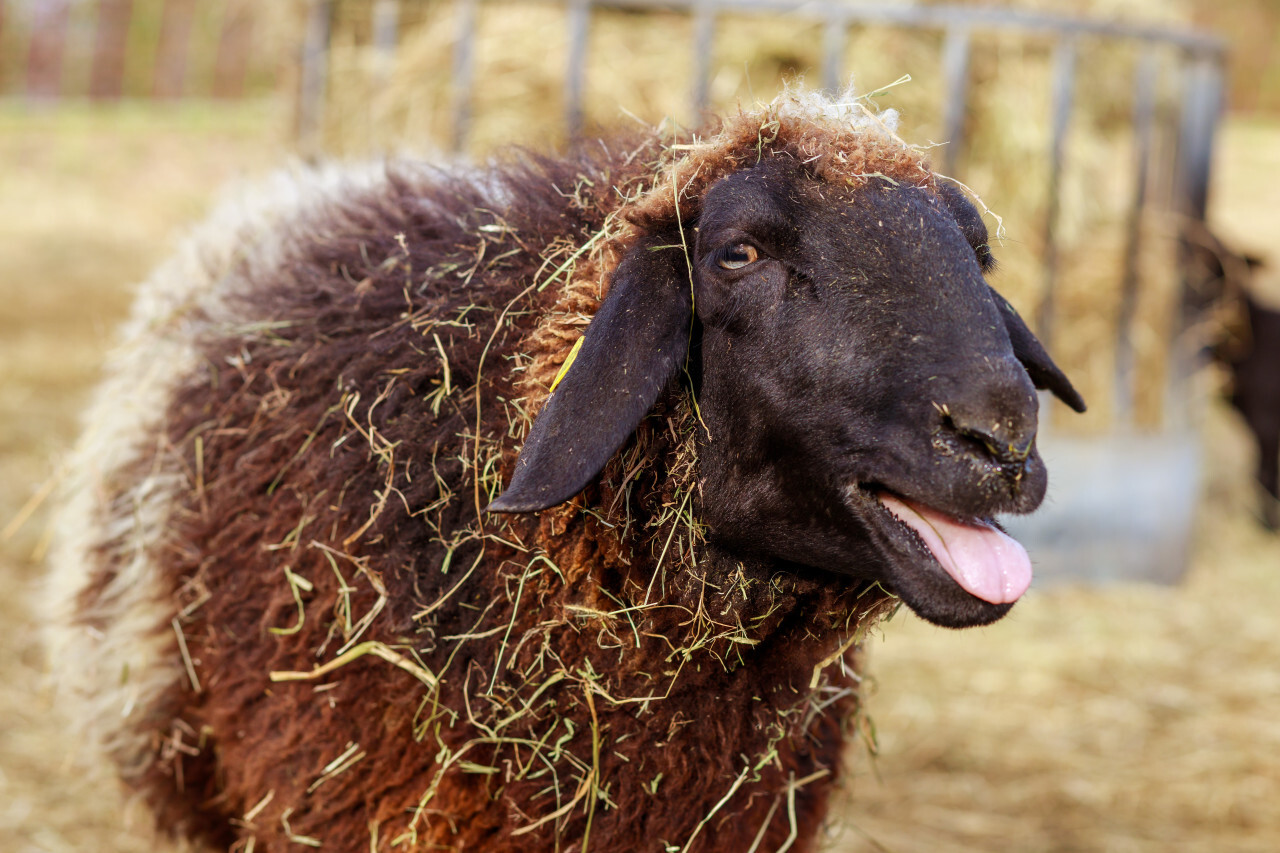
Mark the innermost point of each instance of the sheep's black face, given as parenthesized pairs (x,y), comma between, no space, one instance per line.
(868,414)
(869,399)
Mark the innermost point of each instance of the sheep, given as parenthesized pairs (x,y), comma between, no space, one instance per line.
(1220,282)
(1255,393)
(371,546)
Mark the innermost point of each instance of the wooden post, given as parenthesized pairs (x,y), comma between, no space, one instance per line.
(47,49)
(234,42)
(315,76)
(169,78)
(106,77)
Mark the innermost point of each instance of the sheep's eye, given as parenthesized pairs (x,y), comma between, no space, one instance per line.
(737,256)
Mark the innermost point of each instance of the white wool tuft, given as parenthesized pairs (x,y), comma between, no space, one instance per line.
(845,108)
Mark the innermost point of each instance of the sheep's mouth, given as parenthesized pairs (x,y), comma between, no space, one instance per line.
(949,570)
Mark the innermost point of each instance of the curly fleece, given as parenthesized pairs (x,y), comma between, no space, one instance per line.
(281,611)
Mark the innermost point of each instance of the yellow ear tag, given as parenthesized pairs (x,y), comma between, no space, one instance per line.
(568,362)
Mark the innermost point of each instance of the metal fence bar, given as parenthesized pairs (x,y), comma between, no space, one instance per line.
(384,21)
(836,18)
(704,26)
(46,50)
(386,29)
(231,60)
(835,37)
(1202,105)
(106,80)
(1063,85)
(168,79)
(942,17)
(4,25)
(1144,118)
(1203,99)
(464,69)
(957,23)
(315,75)
(576,80)
(955,70)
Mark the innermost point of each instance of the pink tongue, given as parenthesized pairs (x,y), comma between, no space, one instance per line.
(987,563)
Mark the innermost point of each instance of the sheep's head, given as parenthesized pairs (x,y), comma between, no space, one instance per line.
(868,399)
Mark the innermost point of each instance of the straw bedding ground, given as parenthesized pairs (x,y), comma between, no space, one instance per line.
(1122,719)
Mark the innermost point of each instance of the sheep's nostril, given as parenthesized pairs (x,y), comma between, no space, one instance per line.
(1008,447)
(992,414)
(1009,439)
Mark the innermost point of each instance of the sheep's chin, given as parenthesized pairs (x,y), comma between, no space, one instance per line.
(985,561)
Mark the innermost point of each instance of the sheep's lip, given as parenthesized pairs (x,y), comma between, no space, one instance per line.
(977,555)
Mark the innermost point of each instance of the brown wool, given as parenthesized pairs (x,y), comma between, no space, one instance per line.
(339,646)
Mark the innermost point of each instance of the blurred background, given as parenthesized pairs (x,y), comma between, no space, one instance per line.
(1130,150)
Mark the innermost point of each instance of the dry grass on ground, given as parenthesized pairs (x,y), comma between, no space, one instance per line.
(1117,719)
(90,200)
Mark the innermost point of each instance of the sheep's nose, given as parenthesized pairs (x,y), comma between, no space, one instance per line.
(1000,415)
(1009,442)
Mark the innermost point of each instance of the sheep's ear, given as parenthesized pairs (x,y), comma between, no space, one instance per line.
(634,345)
(1028,349)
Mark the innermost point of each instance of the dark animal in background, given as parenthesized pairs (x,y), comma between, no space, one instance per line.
(1247,342)
(1254,362)
(285,613)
